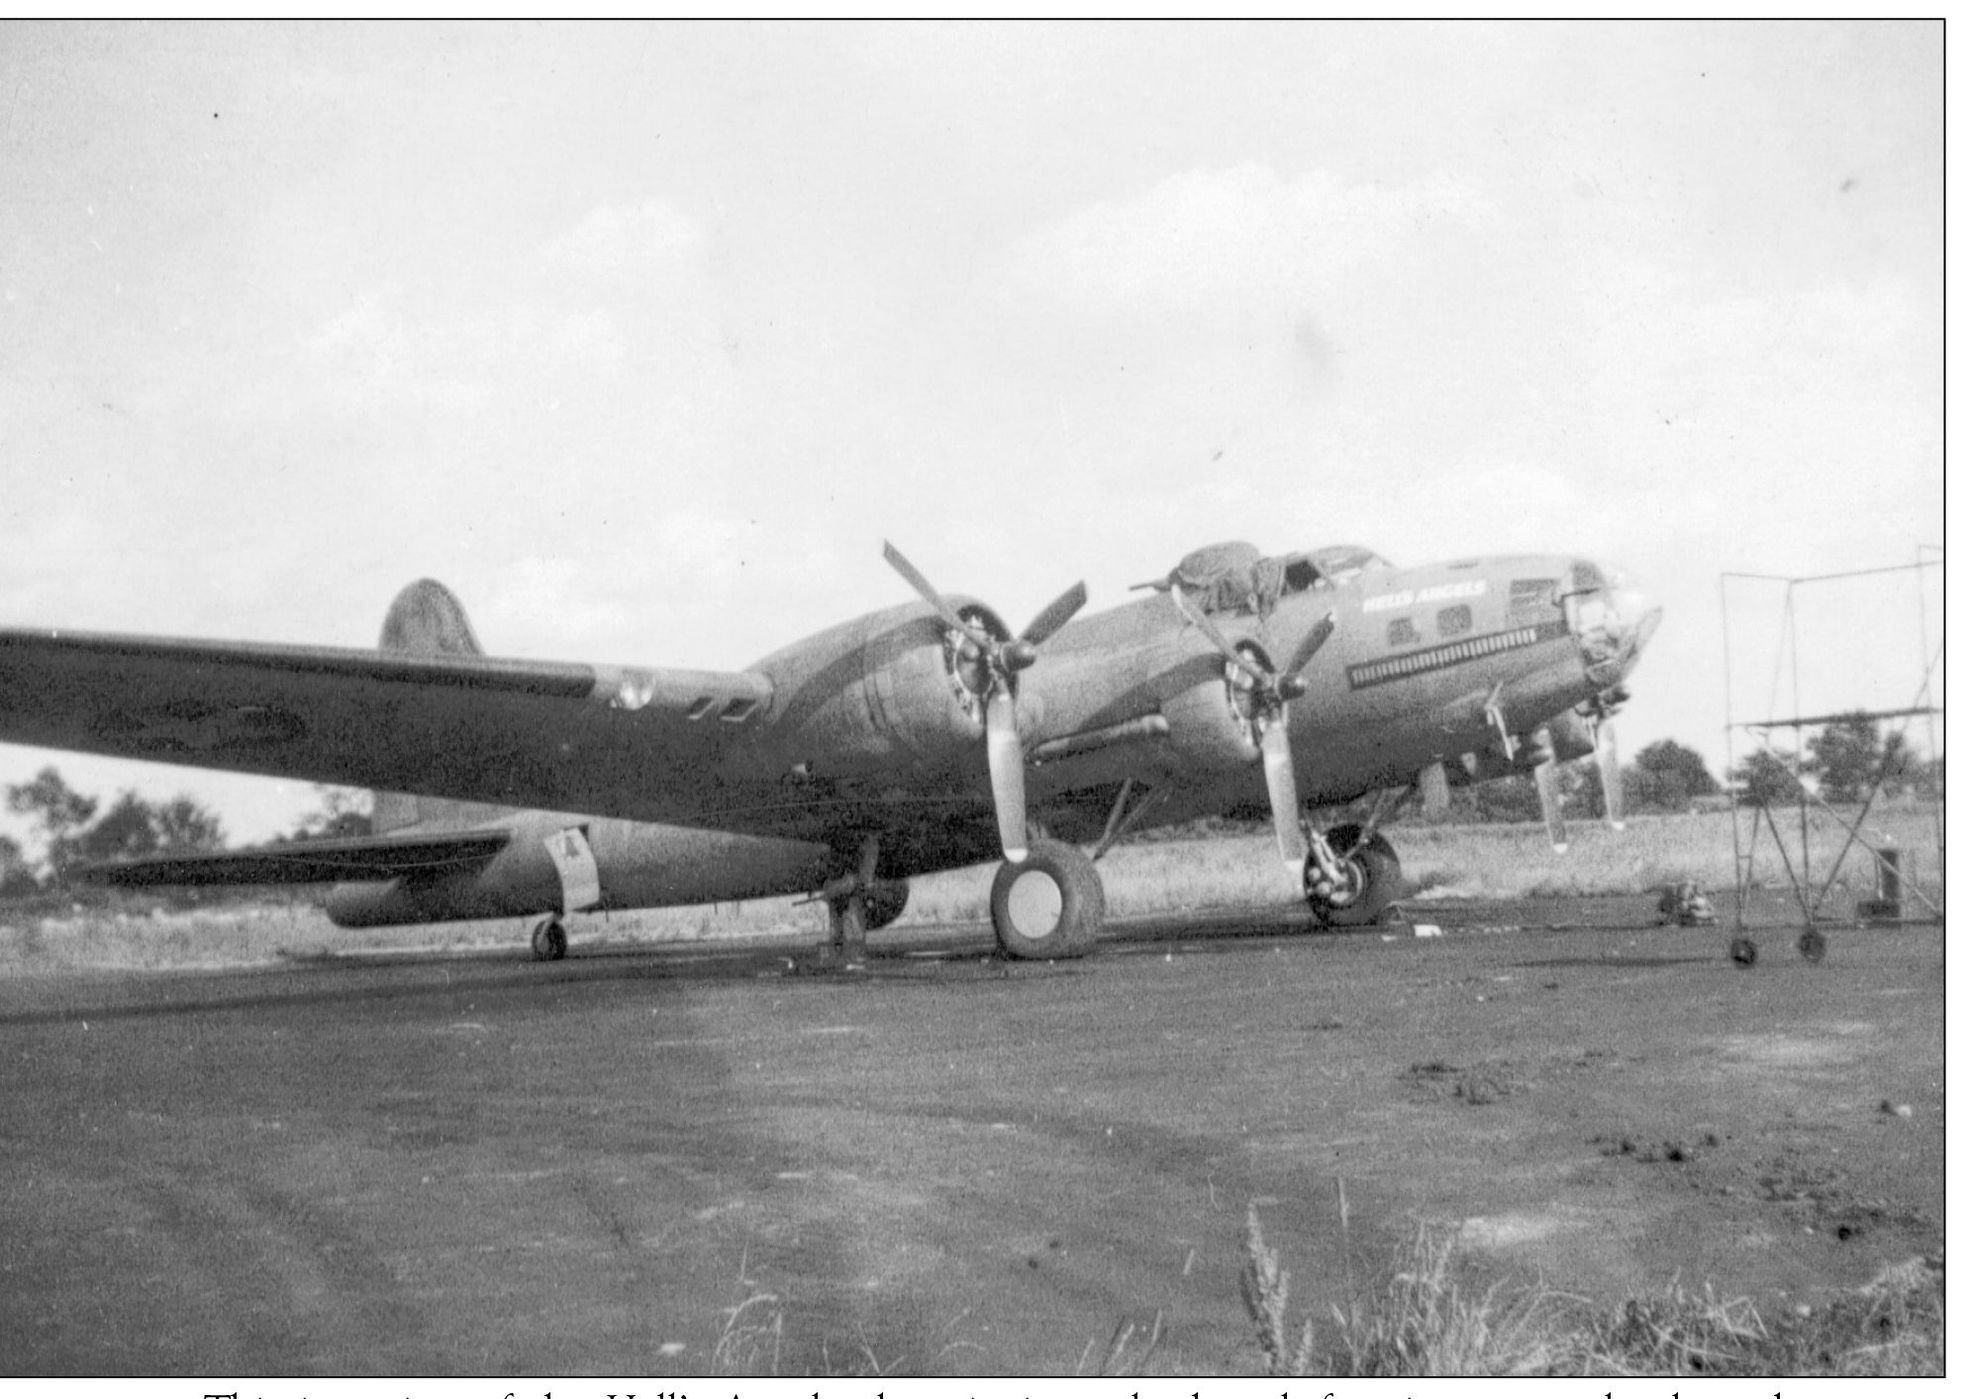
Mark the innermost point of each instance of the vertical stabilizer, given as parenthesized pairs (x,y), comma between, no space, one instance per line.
(425,620)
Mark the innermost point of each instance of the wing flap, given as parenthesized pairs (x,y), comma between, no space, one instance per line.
(609,740)
(310,862)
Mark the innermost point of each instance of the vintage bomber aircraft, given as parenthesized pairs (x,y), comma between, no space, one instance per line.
(922,737)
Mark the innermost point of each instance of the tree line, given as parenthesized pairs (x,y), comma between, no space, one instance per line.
(1841,762)
(78,830)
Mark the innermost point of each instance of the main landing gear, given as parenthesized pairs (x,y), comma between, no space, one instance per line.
(550,940)
(1048,905)
(857,901)
(855,910)
(1349,879)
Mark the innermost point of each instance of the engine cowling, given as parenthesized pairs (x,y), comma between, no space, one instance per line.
(891,686)
(1562,738)
(1214,722)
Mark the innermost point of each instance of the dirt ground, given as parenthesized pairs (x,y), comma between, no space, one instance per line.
(945,1163)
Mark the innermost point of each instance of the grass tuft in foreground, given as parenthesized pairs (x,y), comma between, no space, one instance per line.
(1421,1324)
(1264,1284)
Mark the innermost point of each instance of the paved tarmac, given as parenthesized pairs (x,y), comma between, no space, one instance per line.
(687,1160)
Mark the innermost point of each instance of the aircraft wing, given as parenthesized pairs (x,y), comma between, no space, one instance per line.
(607,740)
(310,862)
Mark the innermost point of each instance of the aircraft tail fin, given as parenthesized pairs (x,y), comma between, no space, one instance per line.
(425,619)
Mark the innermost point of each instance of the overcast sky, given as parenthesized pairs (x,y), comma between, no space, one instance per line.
(643,339)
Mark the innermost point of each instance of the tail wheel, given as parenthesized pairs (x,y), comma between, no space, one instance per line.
(883,904)
(1048,905)
(550,940)
(1372,877)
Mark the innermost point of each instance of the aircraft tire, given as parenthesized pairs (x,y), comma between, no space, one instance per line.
(1049,905)
(884,902)
(1378,877)
(550,940)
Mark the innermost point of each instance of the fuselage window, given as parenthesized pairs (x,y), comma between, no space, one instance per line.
(1454,621)
(1402,632)
(1530,595)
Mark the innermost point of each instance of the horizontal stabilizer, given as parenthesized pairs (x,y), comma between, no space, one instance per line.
(310,862)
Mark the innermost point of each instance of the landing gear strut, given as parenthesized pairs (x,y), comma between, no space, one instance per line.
(550,940)
(1048,905)
(1350,880)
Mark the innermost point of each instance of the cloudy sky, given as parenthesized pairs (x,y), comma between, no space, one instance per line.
(643,339)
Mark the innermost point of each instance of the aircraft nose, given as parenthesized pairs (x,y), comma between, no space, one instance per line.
(1613,621)
(1641,614)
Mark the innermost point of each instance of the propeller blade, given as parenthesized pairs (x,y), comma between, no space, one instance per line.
(1055,615)
(1310,644)
(1282,793)
(1608,759)
(1007,761)
(896,560)
(1435,788)
(1546,777)
(1217,638)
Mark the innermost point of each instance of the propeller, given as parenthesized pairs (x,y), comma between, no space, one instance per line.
(1266,692)
(1546,777)
(1434,788)
(1001,659)
(1608,759)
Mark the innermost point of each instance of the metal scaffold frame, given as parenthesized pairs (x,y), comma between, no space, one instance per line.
(1800,875)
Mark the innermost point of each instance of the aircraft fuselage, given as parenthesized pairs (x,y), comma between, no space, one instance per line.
(1480,664)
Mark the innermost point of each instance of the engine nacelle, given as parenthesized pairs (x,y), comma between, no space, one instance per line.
(885,688)
(1562,738)
(519,881)
(1572,736)
(1213,721)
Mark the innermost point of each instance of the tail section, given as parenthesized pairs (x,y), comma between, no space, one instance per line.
(426,619)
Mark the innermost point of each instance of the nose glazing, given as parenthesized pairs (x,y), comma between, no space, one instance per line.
(1640,615)
(1613,622)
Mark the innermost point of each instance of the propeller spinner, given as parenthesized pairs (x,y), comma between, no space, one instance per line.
(999,661)
(1266,693)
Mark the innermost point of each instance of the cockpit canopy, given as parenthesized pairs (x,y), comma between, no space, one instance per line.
(1236,577)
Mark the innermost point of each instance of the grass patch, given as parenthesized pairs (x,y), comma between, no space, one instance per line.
(1421,1322)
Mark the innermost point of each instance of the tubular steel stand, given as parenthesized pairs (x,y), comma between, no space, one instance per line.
(1800,877)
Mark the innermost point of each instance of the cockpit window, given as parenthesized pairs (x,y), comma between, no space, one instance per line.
(1340,562)
(1301,574)
(1533,595)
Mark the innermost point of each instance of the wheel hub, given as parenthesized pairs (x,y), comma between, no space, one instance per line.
(1034,903)
(1340,889)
